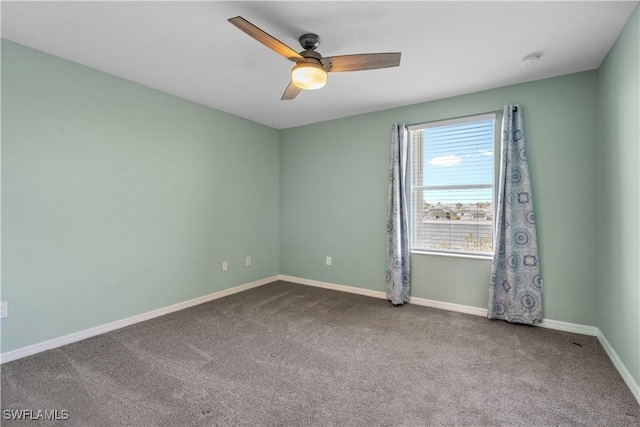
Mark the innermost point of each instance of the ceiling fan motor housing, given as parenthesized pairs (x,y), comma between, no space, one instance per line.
(309,41)
(311,56)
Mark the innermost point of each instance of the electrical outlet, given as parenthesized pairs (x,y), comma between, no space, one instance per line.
(247,261)
(225,266)
(4,309)
(328,260)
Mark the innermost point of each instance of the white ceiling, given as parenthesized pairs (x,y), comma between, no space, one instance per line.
(189,49)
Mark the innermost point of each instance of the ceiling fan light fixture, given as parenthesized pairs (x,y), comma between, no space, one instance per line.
(308,75)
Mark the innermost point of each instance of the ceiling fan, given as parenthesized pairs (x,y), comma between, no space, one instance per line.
(310,71)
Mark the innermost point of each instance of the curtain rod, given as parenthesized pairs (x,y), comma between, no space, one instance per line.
(514,109)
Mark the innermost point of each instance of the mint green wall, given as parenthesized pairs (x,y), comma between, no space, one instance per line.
(118,199)
(619,204)
(333,189)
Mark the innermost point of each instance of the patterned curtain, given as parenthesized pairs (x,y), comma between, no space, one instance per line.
(398,256)
(515,294)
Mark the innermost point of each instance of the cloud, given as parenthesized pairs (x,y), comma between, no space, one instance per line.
(446,161)
(479,153)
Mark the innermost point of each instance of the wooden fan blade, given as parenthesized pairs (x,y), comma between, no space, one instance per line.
(290,92)
(266,39)
(365,61)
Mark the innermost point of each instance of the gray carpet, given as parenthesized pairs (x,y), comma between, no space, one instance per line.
(288,354)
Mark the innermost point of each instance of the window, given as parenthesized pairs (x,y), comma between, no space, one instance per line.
(452,180)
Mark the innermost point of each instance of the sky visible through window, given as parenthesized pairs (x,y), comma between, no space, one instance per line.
(458,155)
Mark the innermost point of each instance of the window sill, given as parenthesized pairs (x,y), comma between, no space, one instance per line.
(451,255)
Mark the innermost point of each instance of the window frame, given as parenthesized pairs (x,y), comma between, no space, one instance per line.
(496,116)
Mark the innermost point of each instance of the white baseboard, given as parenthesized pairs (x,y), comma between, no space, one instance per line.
(91,332)
(576,328)
(476,311)
(335,287)
(622,369)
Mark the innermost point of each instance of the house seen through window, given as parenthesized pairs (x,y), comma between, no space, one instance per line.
(452,173)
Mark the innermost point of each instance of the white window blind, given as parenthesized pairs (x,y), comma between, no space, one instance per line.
(452,183)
